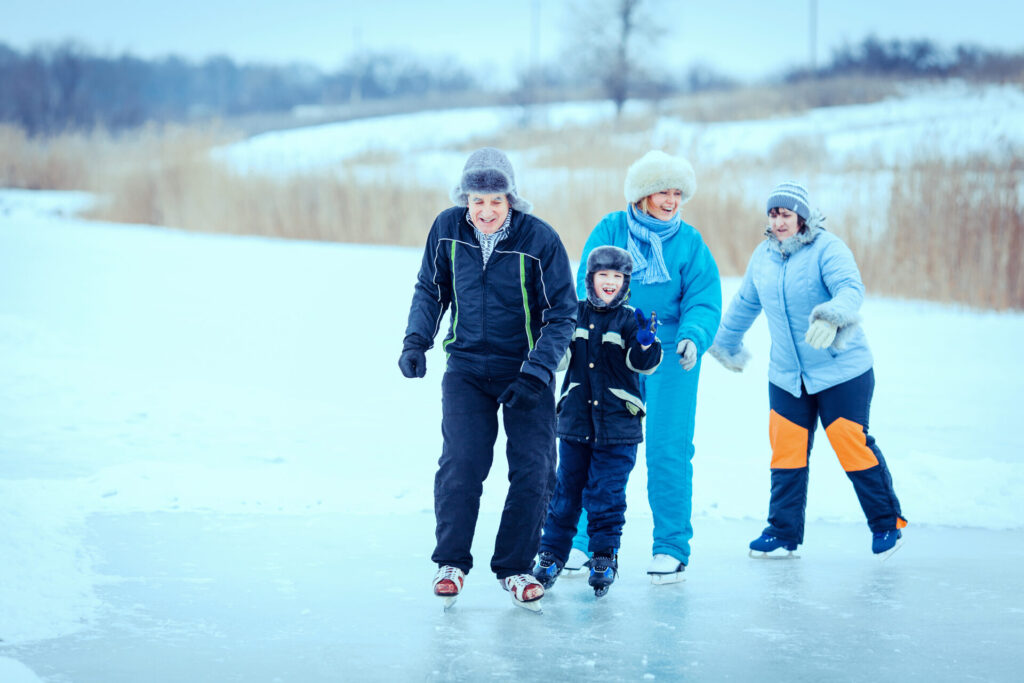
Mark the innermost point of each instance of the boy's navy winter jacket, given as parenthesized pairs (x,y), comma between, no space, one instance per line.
(515,315)
(602,400)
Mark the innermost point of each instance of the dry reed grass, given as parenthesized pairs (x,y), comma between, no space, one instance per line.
(956,233)
(955,229)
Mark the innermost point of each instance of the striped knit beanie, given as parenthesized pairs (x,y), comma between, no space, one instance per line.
(790,195)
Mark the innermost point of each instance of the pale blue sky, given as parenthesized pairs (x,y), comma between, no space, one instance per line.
(745,38)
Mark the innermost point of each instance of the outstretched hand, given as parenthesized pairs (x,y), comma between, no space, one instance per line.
(687,351)
(820,334)
(648,328)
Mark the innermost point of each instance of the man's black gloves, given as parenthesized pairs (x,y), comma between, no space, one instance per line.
(413,363)
(524,393)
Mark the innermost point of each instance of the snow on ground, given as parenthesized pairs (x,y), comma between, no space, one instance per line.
(848,155)
(947,120)
(197,431)
(417,135)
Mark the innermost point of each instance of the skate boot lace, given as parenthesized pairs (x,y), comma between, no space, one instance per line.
(524,587)
(451,574)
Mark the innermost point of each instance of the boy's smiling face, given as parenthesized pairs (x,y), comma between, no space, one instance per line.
(607,284)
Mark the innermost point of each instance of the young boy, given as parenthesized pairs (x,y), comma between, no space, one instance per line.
(600,419)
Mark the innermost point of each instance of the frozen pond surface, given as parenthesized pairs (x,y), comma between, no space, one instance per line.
(193,597)
(212,470)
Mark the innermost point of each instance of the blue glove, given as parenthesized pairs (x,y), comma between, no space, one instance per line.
(413,363)
(524,393)
(648,328)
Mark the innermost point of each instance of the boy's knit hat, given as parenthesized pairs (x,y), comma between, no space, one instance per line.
(657,171)
(790,195)
(488,171)
(608,258)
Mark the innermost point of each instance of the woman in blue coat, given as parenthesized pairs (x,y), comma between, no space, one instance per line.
(675,276)
(807,283)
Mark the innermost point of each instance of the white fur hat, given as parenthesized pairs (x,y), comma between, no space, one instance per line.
(657,171)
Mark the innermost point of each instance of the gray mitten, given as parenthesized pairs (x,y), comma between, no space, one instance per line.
(820,334)
(687,351)
(731,361)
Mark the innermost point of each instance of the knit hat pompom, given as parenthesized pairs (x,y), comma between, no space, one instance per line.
(792,196)
(488,171)
(608,258)
(657,171)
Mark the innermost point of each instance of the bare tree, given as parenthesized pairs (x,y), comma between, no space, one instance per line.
(603,40)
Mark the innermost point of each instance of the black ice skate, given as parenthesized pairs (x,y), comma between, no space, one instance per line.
(547,569)
(604,567)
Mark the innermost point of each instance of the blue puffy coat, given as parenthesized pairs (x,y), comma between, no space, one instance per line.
(602,401)
(689,305)
(516,314)
(815,276)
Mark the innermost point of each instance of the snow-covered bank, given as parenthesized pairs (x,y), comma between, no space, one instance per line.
(951,120)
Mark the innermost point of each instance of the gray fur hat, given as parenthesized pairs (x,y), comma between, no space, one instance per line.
(608,258)
(657,171)
(488,171)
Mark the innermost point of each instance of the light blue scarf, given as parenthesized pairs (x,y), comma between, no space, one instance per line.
(646,235)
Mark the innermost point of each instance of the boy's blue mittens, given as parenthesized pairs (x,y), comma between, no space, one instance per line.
(524,393)
(648,328)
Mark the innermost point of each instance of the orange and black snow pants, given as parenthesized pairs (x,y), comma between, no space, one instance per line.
(843,411)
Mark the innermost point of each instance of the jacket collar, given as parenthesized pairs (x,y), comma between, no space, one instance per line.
(791,245)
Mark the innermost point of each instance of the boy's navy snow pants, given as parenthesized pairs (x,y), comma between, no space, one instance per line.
(843,411)
(469,425)
(594,477)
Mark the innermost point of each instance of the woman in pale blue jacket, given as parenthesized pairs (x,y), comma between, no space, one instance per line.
(820,367)
(675,276)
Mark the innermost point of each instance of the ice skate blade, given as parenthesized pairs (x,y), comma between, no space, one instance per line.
(665,579)
(448,601)
(532,606)
(601,591)
(759,555)
(882,557)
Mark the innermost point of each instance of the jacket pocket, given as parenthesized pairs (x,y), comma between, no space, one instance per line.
(564,395)
(632,403)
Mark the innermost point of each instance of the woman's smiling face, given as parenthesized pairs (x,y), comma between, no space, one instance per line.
(663,205)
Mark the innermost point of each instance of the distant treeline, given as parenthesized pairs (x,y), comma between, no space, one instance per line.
(919,59)
(67,87)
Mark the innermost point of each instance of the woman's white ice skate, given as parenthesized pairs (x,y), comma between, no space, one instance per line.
(666,569)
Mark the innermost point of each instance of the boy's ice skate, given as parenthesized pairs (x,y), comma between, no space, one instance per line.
(666,569)
(577,564)
(885,543)
(604,567)
(525,590)
(547,569)
(766,547)
(448,584)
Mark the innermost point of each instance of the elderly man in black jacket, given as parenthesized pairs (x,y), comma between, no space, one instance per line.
(506,277)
